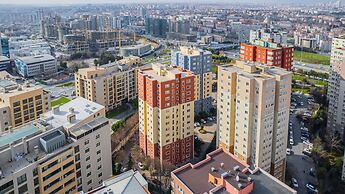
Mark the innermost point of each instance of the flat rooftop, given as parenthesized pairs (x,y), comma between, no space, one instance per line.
(36,59)
(4,59)
(82,109)
(88,126)
(4,83)
(170,74)
(197,178)
(17,134)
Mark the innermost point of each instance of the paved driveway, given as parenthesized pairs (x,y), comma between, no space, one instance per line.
(298,164)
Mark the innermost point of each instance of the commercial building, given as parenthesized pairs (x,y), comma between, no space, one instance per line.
(199,62)
(221,172)
(65,151)
(253,113)
(166,113)
(108,85)
(336,87)
(20,104)
(268,53)
(41,65)
(157,27)
(22,47)
(4,46)
(136,50)
(268,34)
(129,182)
(5,63)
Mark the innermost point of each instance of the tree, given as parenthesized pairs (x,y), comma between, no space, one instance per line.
(117,168)
(63,64)
(334,142)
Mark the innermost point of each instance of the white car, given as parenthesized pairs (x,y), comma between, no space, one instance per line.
(288,151)
(311,187)
(291,141)
(294,182)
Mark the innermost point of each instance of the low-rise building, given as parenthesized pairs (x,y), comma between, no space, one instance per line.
(129,182)
(41,65)
(221,172)
(65,151)
(21,103)
(5,63)
(109,85)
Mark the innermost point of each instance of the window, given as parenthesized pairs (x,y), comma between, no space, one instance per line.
(86,142)
(21,179)
(23,189)
(89,182)
(97,136)
(87,150)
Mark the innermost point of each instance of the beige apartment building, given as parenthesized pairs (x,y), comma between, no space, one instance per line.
(166,113)
(253,111)
(336,87)
(65,151)
(21,103)
(109,85)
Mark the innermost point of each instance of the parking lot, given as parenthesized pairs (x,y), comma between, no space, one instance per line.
(299,165)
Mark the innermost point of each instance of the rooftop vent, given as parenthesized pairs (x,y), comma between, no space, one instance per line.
(56,110)
(249,179)
(237,178)
(213,169)
(71,110)
(240,185)
(222,164)
(237,168)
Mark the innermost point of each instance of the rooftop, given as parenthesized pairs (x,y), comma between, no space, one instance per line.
(4,83)
(13,136)
(4,58)
(80,107)
(163,73)
(126,183)
(221,163)
(190,51)
(36,59)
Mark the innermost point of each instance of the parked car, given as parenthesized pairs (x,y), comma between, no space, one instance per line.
(294,182)
(291,141)
(196,124)
(311,187)
(288,151)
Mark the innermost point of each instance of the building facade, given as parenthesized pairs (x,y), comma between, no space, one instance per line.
(268,53)
(109,85)
(20,104)
(135,50)
(166,113)
(5,63)
(268,34)
(65,151)
(253,111)
(336,87)
(157,27)
(200,63)
(42,65)
(222,172)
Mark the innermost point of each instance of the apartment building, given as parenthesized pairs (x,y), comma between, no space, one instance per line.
(271,54)
(268,34)
(253,114)
(200,63)
(126,183)
(65,151)
(109,85)
(21,103)
(166,113)
(222,172)
(336,87)
(41,65)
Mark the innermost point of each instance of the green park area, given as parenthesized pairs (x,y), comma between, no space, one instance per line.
(117,111)
(313,58)
(58,102)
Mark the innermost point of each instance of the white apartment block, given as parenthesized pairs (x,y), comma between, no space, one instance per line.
(65,151)
(253,112)
(336,87)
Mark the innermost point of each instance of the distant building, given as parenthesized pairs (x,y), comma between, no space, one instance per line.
(135,50)
(200,63)
(336,87)
(253,112)
(5,63)
(36,65)
(268,34)
(20,104)
(22,47)
(242,31)
(268,53)
(4,46)
(129,182)
(65,151)
(157,27)
(109,85)
(166,113)
(221,172)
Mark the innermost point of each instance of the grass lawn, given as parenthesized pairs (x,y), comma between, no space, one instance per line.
(314,81)
(297,77)
(116,111)
(311,58)
(66,84)
(303,90)
(214,69)
(60,101)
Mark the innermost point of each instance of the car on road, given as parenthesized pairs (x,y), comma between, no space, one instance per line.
(306,152)
(291,141)
(311,187)
(196,124)
(288,151)
(203,121)
(294,182)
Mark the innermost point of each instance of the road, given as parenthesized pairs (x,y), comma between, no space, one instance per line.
(308,67)
(298,164)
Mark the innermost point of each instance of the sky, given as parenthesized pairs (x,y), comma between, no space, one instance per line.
(61,2)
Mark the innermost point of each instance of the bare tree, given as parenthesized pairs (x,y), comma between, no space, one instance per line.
(334,142)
